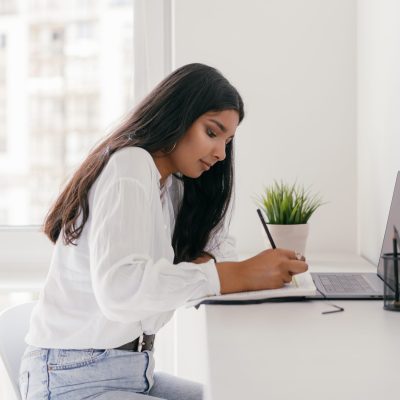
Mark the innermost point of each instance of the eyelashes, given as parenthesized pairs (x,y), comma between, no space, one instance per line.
(212,134)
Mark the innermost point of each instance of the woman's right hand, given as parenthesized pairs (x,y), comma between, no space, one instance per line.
(270,269)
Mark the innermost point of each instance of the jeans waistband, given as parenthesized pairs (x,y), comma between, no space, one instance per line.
(141,343)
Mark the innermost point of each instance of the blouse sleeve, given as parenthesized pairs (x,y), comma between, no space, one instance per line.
(129,285)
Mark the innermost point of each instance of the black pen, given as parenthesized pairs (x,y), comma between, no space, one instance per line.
(266,229)
(396,266)
(396,234)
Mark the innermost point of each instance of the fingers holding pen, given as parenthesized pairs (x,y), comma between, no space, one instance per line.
(293,264)
(288,260)
(296,267)
(293,255)
(271,269)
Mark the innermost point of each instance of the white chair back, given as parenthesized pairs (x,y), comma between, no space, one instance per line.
(14,323)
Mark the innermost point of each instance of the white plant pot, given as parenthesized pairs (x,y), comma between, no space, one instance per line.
(291,237)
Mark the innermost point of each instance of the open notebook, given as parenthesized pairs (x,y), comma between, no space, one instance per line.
(302,286)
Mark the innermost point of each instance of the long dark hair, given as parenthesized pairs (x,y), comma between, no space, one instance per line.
(159,121)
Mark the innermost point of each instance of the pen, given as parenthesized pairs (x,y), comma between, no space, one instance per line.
(338,309)
(396,265)
(266,229)
(396,234)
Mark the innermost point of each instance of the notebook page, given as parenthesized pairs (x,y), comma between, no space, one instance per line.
(301,285)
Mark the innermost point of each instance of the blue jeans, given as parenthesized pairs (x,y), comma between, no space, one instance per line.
(98,374)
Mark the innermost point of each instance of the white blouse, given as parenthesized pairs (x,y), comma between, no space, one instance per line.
(119,281)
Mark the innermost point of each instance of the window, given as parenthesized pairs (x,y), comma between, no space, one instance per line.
(57,103)
(69,70)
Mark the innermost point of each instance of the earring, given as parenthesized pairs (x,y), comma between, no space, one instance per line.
(168,151)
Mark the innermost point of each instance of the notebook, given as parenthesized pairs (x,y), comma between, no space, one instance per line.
(302,285)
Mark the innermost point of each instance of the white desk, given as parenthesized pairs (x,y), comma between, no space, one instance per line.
(292,351)
(287,351)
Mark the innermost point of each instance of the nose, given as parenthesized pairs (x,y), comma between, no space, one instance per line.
(219,151)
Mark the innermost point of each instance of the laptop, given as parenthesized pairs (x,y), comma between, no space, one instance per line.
(369,286)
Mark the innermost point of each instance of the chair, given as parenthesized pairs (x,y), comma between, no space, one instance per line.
(14,323)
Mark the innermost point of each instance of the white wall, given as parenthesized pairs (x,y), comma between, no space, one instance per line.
(378,117)
(294,62)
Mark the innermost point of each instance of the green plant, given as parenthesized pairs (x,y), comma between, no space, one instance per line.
(286,204)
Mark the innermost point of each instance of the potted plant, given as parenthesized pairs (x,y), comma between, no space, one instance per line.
(288,209)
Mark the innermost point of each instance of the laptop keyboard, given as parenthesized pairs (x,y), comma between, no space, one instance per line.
(345,283)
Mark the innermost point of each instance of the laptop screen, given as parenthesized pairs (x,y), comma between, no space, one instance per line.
(393,220)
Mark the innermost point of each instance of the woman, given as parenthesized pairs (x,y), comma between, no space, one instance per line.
(139,230)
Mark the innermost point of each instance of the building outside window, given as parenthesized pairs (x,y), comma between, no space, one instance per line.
(66,77)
